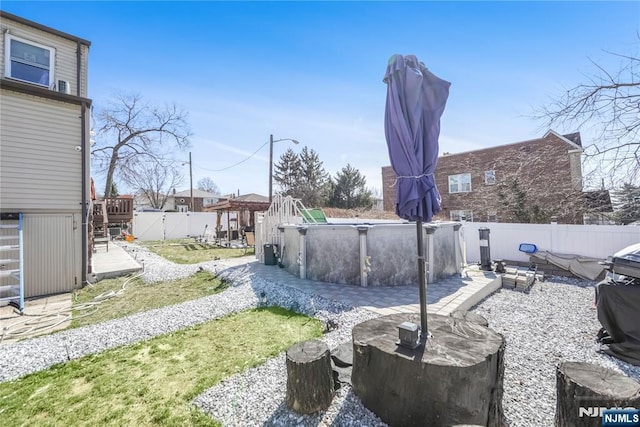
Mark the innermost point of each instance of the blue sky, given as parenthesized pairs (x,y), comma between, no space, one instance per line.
(313,70)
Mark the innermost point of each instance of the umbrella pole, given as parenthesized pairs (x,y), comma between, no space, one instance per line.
(422,283)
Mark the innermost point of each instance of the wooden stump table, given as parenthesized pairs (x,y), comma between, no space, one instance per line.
(583,388)
(455,379)
(309,377)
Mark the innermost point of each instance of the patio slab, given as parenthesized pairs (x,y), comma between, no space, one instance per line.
(456,293)
(114,262)
(41,316)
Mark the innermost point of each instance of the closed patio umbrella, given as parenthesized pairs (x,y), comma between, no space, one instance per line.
(416,99)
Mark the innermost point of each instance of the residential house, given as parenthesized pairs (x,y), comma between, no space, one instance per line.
(533,179)
(178,201)
(181,200)
(44,150)
(598,208)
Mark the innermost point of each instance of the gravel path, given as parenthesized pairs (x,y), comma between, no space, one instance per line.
(555,322)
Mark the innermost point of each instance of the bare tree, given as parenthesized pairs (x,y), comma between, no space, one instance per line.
(153,179)
(132,131)
(609,102)
(207,184)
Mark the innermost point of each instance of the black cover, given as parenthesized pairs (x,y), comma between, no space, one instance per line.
(618,308)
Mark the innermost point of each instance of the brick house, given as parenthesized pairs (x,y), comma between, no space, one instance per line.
(537,178)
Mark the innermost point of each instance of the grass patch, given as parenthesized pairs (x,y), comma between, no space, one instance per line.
(152,382)
(188,251)
(140,296)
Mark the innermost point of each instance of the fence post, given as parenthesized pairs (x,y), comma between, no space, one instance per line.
(302,256)
(554,234)
(430,252)
(457,247)
(364,268)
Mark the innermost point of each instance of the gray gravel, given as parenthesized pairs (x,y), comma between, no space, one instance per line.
(555,322)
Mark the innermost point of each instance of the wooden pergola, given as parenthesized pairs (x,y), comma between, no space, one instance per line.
(250,203)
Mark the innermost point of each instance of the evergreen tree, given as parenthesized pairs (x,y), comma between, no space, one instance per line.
(350,191)
(521,208)
(302,176)
(114,190)
(629,200)
(287,173)
(312,184)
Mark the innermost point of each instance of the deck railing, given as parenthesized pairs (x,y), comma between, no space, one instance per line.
(117,209)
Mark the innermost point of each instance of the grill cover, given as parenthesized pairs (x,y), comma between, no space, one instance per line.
(618,307)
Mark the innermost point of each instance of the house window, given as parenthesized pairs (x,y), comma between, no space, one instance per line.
(489,177)
(183,208)
(28,61)
(460,183)
(492,215)
(461,215)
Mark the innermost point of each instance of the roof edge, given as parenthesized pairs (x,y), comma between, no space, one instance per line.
(16,18)
(568,141)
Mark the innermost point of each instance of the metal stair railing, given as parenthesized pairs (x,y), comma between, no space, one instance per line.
(283,210)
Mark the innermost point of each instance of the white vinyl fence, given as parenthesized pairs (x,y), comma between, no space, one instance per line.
(177,225)
(594,241)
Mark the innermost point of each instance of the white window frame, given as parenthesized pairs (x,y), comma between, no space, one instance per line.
(7,60)
(490,177)
(456,180)
(182,208)
(455,215)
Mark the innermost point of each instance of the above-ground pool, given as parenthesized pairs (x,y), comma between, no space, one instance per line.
(378,254)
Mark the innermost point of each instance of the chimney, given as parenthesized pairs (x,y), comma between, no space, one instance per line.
(174,190)
(238,192)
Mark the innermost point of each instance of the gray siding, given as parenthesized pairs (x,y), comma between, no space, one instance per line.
(39,166)
(65,59)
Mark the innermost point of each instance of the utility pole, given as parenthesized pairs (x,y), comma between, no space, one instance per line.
(190,183)
(270,168)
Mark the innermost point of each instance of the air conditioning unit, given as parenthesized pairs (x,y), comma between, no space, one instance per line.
(64,87)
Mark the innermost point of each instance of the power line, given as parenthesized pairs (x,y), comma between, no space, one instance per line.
(235,164)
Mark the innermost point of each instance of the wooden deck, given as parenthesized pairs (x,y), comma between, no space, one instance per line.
(119,210)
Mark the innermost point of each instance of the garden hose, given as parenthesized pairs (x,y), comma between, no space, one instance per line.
(30,324)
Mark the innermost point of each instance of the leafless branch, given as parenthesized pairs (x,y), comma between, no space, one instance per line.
(609,103)
(130,129)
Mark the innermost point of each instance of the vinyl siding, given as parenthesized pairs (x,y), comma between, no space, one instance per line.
(51,254)
(65,53)
(39,166)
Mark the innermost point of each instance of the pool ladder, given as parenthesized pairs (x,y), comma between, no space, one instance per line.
(12,259)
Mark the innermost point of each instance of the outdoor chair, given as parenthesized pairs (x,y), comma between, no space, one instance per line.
(251,240)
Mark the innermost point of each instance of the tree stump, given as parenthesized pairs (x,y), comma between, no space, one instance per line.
(455,379)
(583,388)
(309,377)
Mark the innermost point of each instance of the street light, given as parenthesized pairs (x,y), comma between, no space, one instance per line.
(190,183)
(271,141)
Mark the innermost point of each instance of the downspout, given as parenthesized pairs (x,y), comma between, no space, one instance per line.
(83,179)
(85,204)
(78,67)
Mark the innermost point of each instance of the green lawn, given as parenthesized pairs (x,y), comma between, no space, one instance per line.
(139,296)
(188,251)
(153,382)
